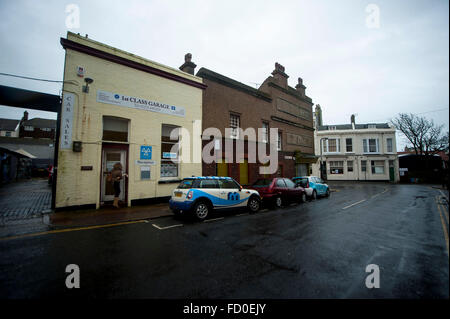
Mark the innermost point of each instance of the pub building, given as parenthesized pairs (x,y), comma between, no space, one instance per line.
(228,103)
(119,107)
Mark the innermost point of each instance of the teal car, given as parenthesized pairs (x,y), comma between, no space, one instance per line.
(313,185)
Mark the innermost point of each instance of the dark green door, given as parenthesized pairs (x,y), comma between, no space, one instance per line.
(391,174)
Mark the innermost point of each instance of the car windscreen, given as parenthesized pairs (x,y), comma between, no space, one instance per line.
(262,183)
(186,183)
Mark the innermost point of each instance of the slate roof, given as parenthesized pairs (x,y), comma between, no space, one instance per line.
(219,78)
(41,123)
(8,124)
(357,126)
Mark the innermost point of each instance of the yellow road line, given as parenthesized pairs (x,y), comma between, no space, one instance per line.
(70,230)
(444,227)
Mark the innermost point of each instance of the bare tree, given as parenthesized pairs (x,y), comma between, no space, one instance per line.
(426,137)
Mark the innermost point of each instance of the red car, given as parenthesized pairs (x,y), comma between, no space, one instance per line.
(279,191)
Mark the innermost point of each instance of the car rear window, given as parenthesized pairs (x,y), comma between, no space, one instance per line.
(262,183)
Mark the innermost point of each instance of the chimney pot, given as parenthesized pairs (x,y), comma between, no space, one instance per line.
(279,75)
(188,66)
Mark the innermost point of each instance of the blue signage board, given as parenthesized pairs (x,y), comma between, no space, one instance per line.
(146,152)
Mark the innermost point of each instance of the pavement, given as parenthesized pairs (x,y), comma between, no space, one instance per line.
(25,199)
(108,215)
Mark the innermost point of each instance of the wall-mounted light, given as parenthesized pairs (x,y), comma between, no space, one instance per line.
(86,87)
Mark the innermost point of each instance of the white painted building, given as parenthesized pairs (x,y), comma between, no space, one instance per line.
(356,152)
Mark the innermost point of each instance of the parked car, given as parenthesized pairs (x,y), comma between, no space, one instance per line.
(278,191)
(200,195)
(313,185)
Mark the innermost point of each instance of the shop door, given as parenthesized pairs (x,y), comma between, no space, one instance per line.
(243,173)
(222,169)
(111,157)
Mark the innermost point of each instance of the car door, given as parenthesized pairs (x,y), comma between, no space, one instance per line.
(320,186)
(230,193)
(293,193)
(280,187)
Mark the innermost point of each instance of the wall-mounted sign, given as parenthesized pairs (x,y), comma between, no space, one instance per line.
(67,120)
(169,155)
(86,168)
(139,103)
(145,172)
(80,71)
(145,162)
(146,152)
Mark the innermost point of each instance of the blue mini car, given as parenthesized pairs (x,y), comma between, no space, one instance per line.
(314,186)
(199,195)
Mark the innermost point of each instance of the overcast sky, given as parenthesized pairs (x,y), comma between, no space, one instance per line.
(348,62)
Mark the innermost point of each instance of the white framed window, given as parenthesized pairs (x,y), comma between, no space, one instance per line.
(370,145)
(332,145)
(279,141)
(332,128)
(363,166)
(265,132)
(377,167)
(389,145)
(234,125)
(28,128)
(169,152)
(336,167)
(349,166)
(371,126)
(349,145)
(7,133)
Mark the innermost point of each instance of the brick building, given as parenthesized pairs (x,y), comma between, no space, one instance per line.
(37,127)
(230,104)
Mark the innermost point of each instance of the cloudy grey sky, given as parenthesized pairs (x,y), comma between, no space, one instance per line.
(348,67)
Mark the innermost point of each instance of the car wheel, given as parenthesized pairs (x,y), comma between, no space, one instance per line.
(201,211)
(303,198)
(314,195)
(278,202)
(327,194)
(253,204)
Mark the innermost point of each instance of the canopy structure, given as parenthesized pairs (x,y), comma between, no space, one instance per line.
(16,97)
(18,153)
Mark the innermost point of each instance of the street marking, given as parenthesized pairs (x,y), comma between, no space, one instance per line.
(70,230)
(167,227)
(212,220)
(446,197)
(443,226)
(354,204)
(438,201)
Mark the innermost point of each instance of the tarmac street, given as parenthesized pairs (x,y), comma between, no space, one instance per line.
(318,249)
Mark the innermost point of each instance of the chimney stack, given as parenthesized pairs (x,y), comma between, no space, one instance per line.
(280,76)
(300,87)
(25,116)
(188,66)
(352,120)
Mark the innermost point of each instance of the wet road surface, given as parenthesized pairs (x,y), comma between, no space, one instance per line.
(318,249)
